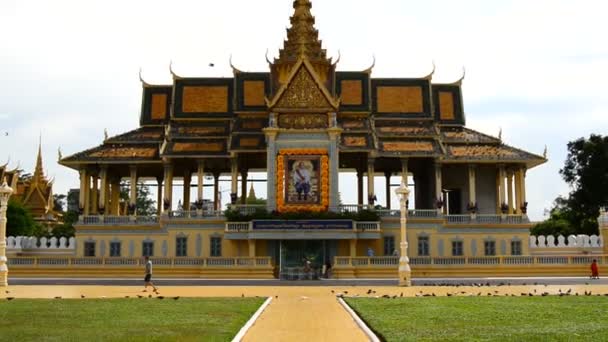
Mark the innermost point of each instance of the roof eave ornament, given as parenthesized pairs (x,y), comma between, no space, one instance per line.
(234,69)
(105,135)
(59,154)
(430,76)
(141,79)
(337,60)
(268,60)
(173,74)
(545,153)
(7,162)
(464,73)
(369,70)
(500,134)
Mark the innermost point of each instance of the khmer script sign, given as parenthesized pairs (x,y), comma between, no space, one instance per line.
(302,224)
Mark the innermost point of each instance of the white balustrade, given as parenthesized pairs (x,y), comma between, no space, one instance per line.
(532,240)
(574,241)
(551,241)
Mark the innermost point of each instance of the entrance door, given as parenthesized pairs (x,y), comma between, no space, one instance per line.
(302,259)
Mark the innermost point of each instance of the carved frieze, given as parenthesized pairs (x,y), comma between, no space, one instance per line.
(303,121)
(303,92)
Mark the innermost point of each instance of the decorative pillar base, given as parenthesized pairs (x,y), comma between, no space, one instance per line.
(3,271)
(405,272)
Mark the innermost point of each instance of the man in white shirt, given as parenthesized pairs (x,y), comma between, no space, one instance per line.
(148,276)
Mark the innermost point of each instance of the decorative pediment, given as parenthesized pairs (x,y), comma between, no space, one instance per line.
(303,91)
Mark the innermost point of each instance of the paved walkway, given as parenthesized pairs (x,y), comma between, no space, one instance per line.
(296,313)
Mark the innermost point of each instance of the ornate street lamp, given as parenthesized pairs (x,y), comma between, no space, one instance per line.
(5,193)
(405,271)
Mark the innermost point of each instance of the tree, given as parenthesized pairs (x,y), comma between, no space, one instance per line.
(144,204)
(20,221)
(67,227)
(586,171)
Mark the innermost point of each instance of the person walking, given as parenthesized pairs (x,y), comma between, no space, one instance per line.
(148,276)
(595,273)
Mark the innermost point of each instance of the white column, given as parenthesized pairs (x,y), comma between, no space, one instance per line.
(5,193)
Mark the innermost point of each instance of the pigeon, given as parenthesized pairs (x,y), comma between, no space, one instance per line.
(58,297)
(81,296)
(10,298)
(401,295)
(176,298)
(149,296)
(332,291)
(126,296)
(449,295)
(276,297)
(7,291)
(345,292)
(242,295)
(160,297)
(140,296)
(211,65)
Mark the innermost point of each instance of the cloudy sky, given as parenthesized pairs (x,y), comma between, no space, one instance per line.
(536,69)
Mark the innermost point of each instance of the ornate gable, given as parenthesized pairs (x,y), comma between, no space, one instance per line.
(303,91)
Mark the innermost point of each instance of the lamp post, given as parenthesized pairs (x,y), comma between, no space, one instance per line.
(405,271)
(5,193)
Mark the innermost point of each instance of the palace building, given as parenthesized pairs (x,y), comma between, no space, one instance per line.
(304,123)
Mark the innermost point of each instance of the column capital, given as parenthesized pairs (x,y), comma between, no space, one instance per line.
(132,167)
(472,166)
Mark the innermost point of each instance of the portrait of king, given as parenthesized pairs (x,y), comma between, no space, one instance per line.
(302,181)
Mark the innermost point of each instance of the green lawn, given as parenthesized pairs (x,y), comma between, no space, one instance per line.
(186,319)
(549,318)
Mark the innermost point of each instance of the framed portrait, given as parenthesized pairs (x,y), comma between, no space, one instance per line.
(302,180)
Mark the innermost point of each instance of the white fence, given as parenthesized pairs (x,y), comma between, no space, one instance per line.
(20,243)
(573,241)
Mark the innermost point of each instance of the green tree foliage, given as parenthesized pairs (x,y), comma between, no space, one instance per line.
(67,227)
(20,221)
(145,204)
(586,171)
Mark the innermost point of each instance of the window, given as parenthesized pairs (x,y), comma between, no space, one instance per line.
(114,249)
(216,246)
(389,245)
(89,249)
(489,247)
(148,248)
(515,247)
(457,249)
(423,246)
(181,246)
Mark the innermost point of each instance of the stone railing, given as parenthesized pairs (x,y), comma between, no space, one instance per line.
(211,262)
(33,243)
(392,261)
(486,218)
(111,220)
(246,209)
(573,241)
(367,226)
(193,214)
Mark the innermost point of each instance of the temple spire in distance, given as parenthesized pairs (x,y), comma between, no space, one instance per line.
(38,171)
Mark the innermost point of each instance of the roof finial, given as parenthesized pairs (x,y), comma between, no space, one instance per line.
(59,155)
(171,70)
(234,69)
(545,152)
(338,59)
(500,134)
(105,134)
(369,70)
(430,76)
(141,79)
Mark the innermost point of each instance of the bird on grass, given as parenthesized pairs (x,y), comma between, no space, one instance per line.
(160,297)
(126,296)
(58,297)
(176,298)
(242,295)
(82,296)
(150,296)
(10,298)
(7,291)
(140,296)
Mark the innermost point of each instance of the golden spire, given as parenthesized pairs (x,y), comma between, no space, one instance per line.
(251,197)
(302,37)
(39,171)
